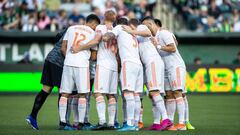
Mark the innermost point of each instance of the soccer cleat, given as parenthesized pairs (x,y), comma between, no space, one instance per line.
(181,127)
(127,128)
(155,127)
(100,127)
(32,122)
(110,128)
(124,124)
(136,128)
(65,126)
(140,125)
(189,126)
(116,125)
(172,128)
(87,126)
(165,124)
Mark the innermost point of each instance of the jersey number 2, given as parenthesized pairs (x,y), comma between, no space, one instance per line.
(78,40)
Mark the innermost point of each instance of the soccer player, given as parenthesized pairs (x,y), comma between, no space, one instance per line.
(76,69)
(106,78)
(175,70)
(51,76)
(187,122)
(154,71)
(131,75)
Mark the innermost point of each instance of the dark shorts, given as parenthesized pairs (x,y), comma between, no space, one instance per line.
(51,74)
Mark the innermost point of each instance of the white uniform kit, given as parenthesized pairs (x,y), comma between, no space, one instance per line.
(76,66)
(175,69)
(106,78)
(131,75)
(153,64)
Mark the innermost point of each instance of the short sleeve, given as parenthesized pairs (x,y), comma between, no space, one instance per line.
(116,30)
(66,35)
(142,27)
(168,38)
(99,30)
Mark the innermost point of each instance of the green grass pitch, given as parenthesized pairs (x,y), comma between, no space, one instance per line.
(210,114)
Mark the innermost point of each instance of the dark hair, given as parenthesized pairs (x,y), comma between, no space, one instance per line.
(134,22)
(147,18)
(238,53)
(122,21)
(197,59)
(93,17)
(158,22)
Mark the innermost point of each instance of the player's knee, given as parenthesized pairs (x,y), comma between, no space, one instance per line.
(96,95)
(47,89)
(112,101)
(178,93)
(65,95)
(82,95)
(99,99)
(169,95)
(128,95)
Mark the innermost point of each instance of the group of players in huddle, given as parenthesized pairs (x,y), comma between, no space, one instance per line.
(127,52)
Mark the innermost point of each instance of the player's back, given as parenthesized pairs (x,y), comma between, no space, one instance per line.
(171,59)
(127,45)
(106,56)
(146,48)
(76,35)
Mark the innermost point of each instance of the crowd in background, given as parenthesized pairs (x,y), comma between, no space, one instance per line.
(210,15)
(53,15)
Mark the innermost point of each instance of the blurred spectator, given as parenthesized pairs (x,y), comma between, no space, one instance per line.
(9,19)
(62,19)
(216,62)
(209,15)
(131,15)
(237,60)
(214,10)
(54,15)
(76,18)
(43,20)
(30,26)
(98,12)
(197,61)
(139,9)
(122,10)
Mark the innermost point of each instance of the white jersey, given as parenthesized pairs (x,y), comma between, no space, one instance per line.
(171,60)
(146,48)
(106,55)
(127,45)
(76,35)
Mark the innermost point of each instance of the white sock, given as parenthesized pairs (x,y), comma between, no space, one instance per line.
(137,110)
(180,109)
(186,116)
(68,115)
(130,108)
(171,108)
(156,115)
(81,109)
(63,109)
(86,119)
(111,111)
(101,108)
(75,110)
(124,108)
(159,102)
(141,115)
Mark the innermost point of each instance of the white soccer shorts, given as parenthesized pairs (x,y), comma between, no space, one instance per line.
(175,79)
(106,80)
(154,73)
(75,77)
(131,77)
